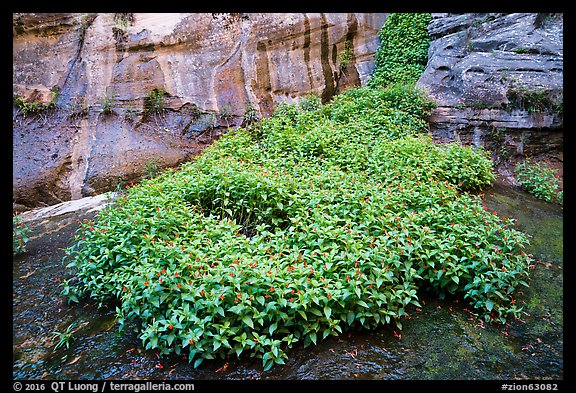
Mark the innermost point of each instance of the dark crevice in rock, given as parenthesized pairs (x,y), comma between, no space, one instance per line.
(306,48)
(329,88)
(348,75)
(84,26)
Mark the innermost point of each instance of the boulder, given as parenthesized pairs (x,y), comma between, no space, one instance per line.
(498,82)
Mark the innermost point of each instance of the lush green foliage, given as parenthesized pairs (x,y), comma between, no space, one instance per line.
(302,227)
(152,168)
(539,179)
(20,232)
(316,220)
(403,51)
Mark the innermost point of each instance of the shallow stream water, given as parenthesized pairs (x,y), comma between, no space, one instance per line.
(443,340)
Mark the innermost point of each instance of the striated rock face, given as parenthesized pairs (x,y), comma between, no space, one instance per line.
(125,92)
(498,81)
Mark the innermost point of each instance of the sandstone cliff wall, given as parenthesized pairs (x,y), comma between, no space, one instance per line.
(131,89)
(127,92)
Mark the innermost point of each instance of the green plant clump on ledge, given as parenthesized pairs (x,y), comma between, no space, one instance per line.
(539,179)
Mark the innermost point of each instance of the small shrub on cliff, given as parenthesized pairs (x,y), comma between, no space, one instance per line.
(346,56)
(152,168)
(533,101)
(78,108)
(155,102)
(250,114)
(34,107)
(107,104)
(226,113)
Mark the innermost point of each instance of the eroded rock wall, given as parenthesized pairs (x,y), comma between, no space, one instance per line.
(498,82)
(130,89)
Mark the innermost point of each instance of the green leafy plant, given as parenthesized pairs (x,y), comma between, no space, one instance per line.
(520,50)
(151,168)
(124,19)
(315,221)
(121,22)
(346,56)
(107,104)
(250,114)
(78,108)
(154,102)
(403,51)
(35,107)
(310,102)
(539,179)
(64,338)
(533,100)
(300,231)
(20,233)
(560,197)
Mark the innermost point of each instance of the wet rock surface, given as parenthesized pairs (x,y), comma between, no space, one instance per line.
(443,340)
